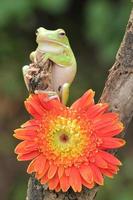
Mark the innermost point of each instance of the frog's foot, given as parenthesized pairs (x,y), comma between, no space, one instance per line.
(43,59)
(43,74)
(33,70)
(65,93)
(30,72)
(51,94)
(29,77)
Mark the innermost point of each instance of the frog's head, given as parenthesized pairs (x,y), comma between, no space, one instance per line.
(52,38)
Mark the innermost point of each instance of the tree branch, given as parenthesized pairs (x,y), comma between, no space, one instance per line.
(118,92)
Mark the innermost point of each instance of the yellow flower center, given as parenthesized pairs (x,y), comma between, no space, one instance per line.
(66,139)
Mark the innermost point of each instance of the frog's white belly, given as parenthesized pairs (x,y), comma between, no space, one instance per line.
(61,75)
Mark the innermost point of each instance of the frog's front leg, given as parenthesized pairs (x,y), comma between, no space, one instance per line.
(61,60)
(43,59)
(64,93)
(33,56)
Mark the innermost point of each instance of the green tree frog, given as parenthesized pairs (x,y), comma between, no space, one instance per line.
(55,46)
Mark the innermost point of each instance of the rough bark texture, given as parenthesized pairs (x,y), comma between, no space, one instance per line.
(118,92)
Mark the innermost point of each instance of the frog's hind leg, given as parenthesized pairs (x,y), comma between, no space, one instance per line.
(65,93)
(25,70)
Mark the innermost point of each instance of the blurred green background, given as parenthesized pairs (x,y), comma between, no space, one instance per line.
(95,30)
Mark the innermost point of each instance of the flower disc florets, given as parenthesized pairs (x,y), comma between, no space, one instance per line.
(68,146)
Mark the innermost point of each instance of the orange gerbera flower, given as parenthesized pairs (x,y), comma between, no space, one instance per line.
(68,146)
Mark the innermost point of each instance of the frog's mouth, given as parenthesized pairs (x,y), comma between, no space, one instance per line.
(51,46)
(55,42)
(52,42)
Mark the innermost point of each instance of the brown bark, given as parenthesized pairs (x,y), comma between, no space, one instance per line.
(118,92)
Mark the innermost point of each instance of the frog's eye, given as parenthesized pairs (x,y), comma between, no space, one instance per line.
(62,33)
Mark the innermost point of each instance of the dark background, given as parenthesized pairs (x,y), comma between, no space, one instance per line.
(95,30)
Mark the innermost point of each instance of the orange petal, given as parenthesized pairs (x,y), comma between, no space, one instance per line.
(113,168)
(112,143)
(20,147)
(46,167)
(40,164)
(75,180)
(110,158)
(28,156)
(60,171)
(44,179)
(24,134)
(52,170)
(98,178)
(25,147)
(109,116)
(106,120)
(85,101)
(107,172)
(33,106)
(97,110)
(58,188)
(110,130)
(86,173)
(30,168)
(86,184)
(50,104)
(99,161)
(67,171)
(53,182)
(31,111)
(30,123)
(64,183)
(38,104)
